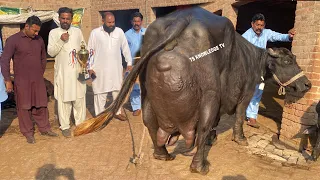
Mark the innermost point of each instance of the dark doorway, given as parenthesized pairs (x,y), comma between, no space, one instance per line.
(162,11)
(123,18)
(44,31)
(280,17)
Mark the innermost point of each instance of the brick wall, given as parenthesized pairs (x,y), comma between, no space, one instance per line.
(227,9)
(146,7)
(306,46)
(49,5)
(92,18)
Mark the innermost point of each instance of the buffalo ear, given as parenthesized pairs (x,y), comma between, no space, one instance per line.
(272,53)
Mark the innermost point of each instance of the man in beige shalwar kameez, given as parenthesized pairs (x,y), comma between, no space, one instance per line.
(68,90)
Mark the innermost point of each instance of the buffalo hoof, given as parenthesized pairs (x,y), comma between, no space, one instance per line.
(202,169)
(315,154)
(167,157)
(241,141)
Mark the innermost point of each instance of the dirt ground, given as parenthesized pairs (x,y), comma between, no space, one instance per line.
(106,154)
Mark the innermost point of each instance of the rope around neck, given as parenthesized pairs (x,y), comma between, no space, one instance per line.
(282,90)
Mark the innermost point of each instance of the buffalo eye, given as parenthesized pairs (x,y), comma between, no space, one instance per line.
(287,62)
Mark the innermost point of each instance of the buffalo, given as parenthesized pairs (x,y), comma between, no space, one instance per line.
(194,68)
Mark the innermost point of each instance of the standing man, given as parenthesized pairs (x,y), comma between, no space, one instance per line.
(27,50)
(134,37)
(105,68)
(69,92)
(259,37)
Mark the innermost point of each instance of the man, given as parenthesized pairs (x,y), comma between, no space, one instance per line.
(105,67)
(259,37)
(134,37)
(27,50)
(69,92)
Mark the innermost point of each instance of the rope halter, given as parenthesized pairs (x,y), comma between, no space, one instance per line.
(282,90)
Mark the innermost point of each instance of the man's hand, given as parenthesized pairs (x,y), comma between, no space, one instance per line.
(64,37)
(291,33)
(129,68)
(9,86)
(91,72)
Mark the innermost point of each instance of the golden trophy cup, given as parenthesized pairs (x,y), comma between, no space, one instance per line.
(83,55)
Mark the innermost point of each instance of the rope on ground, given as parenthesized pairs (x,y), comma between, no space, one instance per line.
(135,159)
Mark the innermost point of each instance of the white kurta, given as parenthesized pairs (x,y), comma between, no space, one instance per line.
(107,61)
(66,84)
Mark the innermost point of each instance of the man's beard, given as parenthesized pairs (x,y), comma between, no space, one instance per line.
(108,29)
(65,26)
(258,31)
(136,27)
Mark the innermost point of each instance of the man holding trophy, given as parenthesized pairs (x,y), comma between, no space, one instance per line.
(69,70)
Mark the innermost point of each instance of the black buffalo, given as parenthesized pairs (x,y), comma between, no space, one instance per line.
(194,68)
(316,147)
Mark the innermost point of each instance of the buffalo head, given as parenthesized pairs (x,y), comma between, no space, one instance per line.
(285,70)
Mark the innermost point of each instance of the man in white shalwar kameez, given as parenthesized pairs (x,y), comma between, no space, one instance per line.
(107,42)
(69,92)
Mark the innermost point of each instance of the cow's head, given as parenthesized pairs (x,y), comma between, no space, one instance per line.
(282,64)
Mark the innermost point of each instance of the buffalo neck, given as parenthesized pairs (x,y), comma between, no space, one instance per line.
(253,59)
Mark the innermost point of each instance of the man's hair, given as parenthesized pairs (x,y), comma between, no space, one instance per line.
(65,10)
(258,17)
(105,14)
(137,14)
(33,20)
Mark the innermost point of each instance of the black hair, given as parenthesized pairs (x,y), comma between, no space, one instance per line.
(137,14)
(104,14)
(33,20)
(65,10)
(258,17)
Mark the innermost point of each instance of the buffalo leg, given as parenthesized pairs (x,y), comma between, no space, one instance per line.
(316,150)
(213,133)
(150,121)
(209,109)
(238,135)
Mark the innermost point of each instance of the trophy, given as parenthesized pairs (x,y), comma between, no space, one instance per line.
(83,55)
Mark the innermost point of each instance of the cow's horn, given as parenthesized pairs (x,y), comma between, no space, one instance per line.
(273,53)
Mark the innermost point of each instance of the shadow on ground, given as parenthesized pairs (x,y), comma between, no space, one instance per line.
(7,117)
(50,172)
(89,100)
(238,177)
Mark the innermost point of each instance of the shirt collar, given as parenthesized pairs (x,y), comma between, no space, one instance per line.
(22,34)
(254,33)
(25,36)
(141,30)
(111,34)
(69,30)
